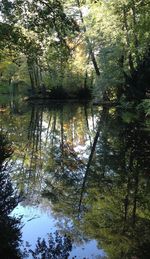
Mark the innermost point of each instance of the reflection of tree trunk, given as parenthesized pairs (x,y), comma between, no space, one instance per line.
(47,133)
(136,181)
(101,120)
(135,198)
(72,128)
(89,164)
(30,129)
(85,80)
(62,129)
(92,114)
(105,155)
(40,134)
(34,134)
(87,123)
(54,128)
(62,139)
(126,201)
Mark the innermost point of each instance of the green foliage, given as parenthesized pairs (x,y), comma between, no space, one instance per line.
(121,28)
(145,104)
(105,43)
(10,237)
(4,88)
(129,117)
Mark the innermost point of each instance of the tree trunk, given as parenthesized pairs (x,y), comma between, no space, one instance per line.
(91,53)
(31,76)
(126,29)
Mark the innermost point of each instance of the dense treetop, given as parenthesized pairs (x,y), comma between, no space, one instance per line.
(76,45)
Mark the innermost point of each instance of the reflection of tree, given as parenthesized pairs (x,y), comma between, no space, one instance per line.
(60,182)
(114,190)
(111,191)
(118,202)
(10,235)
(39,134)
(57,247)
(52,132)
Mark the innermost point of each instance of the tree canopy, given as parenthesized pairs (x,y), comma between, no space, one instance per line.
(98,45)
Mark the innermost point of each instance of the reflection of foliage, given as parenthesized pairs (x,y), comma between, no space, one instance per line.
(115,200)
(120,239)
(9,226)
(10,238)
(65,177)
(5,150)
(118,192)
(57,247)
(39,135)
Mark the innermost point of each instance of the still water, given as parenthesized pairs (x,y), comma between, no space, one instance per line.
(82,172)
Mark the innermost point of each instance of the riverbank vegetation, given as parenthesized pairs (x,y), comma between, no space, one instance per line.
(68,49)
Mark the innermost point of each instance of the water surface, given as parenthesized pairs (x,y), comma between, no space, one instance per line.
(83,171)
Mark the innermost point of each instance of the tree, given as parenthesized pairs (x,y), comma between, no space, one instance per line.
(10,226)
(35,36)
(123,52)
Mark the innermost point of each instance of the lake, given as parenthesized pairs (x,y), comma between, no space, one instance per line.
(82,172)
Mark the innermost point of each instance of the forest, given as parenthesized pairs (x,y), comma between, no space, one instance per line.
(75,49)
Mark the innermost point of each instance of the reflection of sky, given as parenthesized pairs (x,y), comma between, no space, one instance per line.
(88,250)
(38,223)
(77,137)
